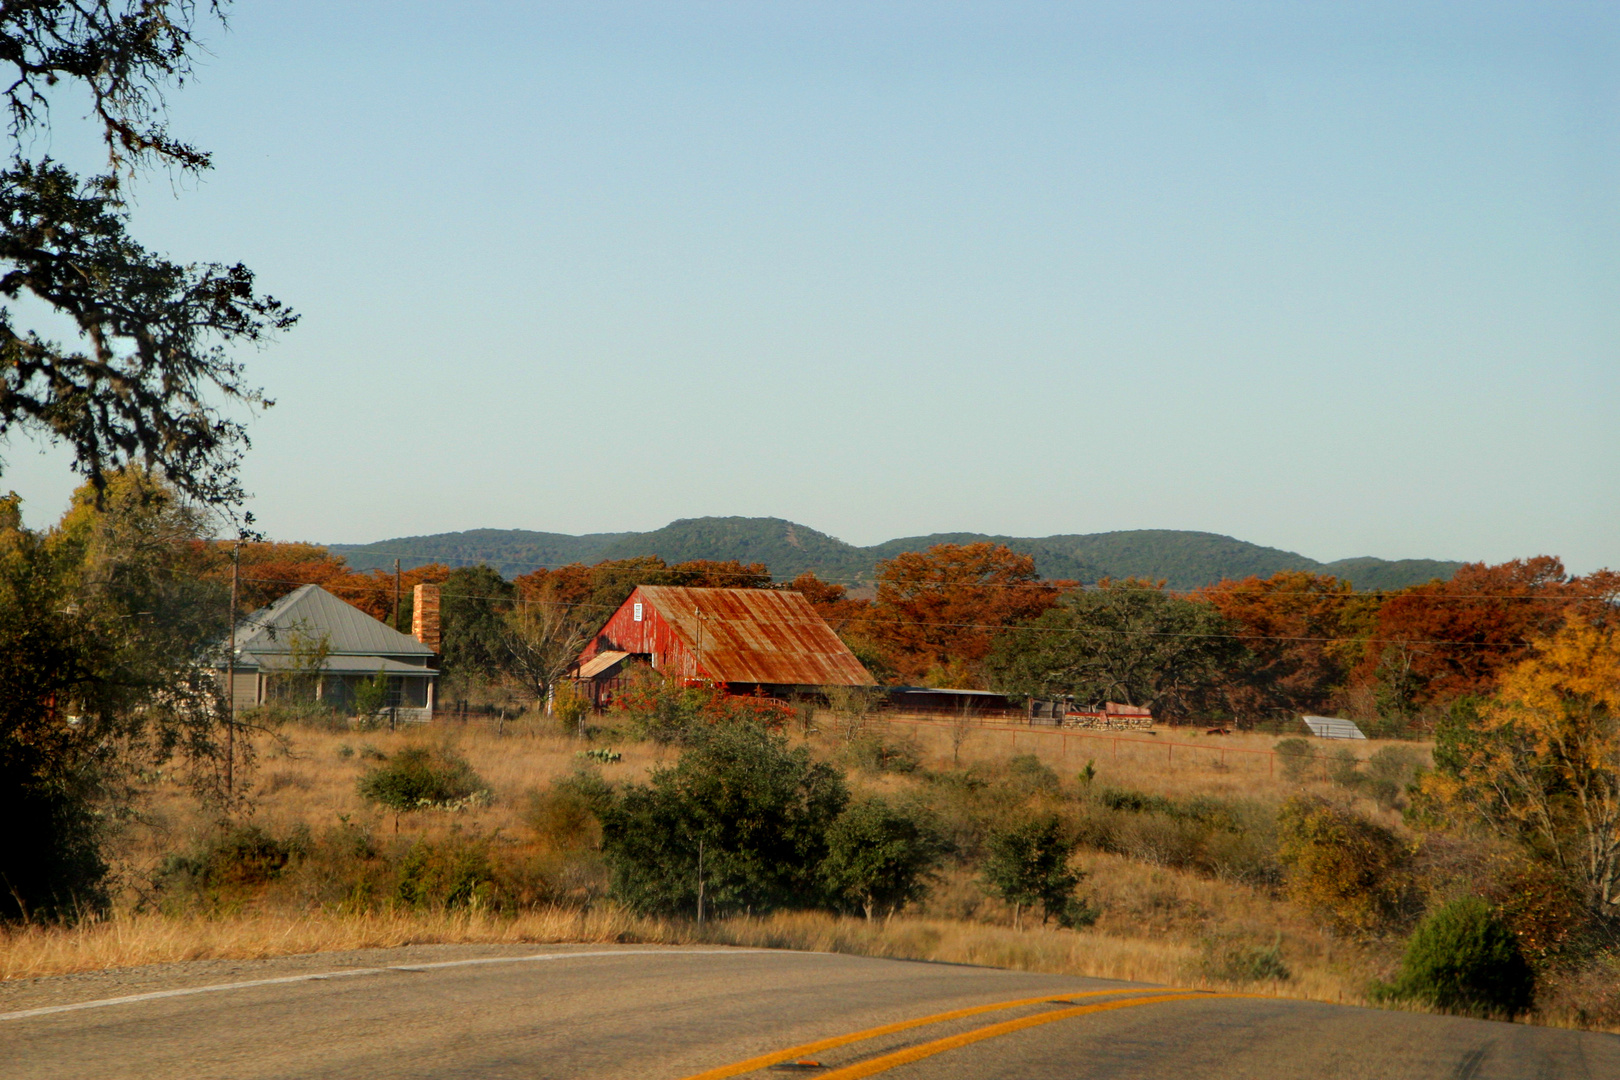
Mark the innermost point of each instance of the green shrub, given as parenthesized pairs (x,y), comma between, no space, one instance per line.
(370,698)
(752,809)
(1344,768)
(879,857)
(419,778)
(233,863)
(1463,959)
(666,712)
(1390,772)
(1297,758)
(1222,838)
(1028,863)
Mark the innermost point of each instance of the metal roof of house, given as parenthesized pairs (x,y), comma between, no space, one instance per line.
(310,612)
(346,664)
(770,636)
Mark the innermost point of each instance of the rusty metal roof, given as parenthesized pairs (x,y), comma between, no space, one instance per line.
(758,636)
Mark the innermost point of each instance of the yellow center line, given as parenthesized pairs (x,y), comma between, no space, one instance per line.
(776,1057)
(876,1065)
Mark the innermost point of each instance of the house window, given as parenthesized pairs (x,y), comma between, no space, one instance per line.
(638,613)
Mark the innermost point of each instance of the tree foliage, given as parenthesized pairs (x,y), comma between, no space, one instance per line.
(1540,762)
(1449,639)
(938,611)
(879,856)
(146,379)
(1028,864)
(473,602)
(753,811)
(105,623)
(1302,631)
(1130,642)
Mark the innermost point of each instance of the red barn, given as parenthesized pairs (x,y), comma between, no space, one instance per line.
(769,640)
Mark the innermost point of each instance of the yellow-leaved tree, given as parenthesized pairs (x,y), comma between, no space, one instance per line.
(1542,761)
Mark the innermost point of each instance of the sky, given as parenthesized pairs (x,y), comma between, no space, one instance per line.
(1335,278)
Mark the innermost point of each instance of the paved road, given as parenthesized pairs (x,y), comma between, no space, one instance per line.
(672,1014)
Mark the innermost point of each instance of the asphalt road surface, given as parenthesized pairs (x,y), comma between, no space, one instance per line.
(674,1014)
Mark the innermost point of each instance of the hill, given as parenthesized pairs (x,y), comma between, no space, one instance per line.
(1184,559)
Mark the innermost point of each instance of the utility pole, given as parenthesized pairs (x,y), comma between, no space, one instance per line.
(700,882)
(230,673)
(396,594)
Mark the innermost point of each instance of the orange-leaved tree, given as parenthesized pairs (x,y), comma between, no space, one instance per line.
(1304,633)
(831,601)
(1541,761)
(937,611)
(1448,639)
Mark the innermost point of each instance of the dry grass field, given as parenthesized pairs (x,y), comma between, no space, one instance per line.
(1159,923)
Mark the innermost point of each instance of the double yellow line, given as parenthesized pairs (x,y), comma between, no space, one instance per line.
(873,1066)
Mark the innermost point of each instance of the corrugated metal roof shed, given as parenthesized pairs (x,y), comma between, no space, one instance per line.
(312,611)
(1331,727)
(770,636)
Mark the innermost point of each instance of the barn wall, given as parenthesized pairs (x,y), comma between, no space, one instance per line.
(652,636)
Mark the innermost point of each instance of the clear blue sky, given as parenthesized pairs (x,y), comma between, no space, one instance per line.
(1340,278)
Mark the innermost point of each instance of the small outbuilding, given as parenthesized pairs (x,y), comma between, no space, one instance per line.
(311,646)
(768,641)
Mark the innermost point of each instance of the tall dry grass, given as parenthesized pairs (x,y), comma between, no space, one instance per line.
(126,941)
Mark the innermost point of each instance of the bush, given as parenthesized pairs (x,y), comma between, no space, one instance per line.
(569,709)
(1342,866)
(871,752)
(1463,959)
(1297,758)
(1344,768)
(452,873)
(235,862)
(1222,838)
(566,816)
(668,713)
(419,778)
(1028,863)
(753,810)
(1390,772)
(879,857)
(1028,774)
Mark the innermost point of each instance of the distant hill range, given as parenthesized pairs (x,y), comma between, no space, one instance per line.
(1184,559)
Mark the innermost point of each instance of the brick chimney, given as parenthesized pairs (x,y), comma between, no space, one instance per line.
(425,615)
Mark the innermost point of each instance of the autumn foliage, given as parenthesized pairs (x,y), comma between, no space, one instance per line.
(1541,761)
(1303,633)
(1447,639)
(937,612)
(271,570)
